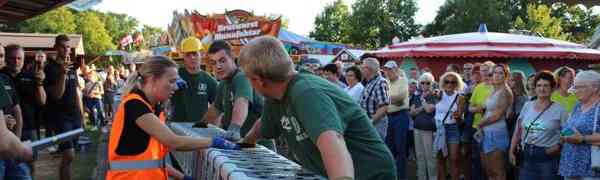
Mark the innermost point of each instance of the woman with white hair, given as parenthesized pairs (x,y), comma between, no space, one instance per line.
(581,131)
(422,109)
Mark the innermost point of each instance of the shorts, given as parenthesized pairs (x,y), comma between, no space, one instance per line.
(452,133)
(66,126)
(495,140)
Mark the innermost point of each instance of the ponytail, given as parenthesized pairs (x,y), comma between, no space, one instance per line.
(154,66)
(133,82)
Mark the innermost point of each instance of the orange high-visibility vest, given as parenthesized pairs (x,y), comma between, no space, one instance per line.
(148,165)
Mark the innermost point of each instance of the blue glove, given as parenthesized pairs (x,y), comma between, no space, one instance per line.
(181,84)
(233,133)
(219,142)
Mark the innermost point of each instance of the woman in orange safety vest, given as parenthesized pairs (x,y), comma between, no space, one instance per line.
(139,139)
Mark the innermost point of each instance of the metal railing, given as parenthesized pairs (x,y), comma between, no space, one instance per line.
(219,164)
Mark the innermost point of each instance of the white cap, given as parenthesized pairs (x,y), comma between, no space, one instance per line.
(391,64)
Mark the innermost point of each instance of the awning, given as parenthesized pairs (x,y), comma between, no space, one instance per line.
(488,45)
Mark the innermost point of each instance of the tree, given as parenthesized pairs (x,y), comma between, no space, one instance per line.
(578,22)
(374,23)
(460,16)
(331,24)
(539,20)
(151,36)
(95,37)
(119,25)
(60,20)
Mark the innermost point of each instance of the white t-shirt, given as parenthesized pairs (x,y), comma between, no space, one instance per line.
(545,132)
(355,91)
(441,108)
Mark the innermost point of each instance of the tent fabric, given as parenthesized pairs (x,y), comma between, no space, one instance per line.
(290,37)
(488,45)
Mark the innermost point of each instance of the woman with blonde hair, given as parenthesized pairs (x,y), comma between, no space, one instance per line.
(448,117)
(139,139)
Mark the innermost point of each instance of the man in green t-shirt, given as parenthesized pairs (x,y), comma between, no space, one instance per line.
(326,131)
(191,102)
(561,95)
(237,106)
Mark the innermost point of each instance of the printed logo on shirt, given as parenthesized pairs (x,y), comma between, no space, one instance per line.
(202,89)
(291,125)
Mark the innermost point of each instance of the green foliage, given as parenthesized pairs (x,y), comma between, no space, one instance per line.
(151,36)
(539,20)
(374,23)
(96,38)
(60,20)
(331,24)
(461,16)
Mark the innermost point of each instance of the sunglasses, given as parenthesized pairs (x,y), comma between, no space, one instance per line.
(450,82)
(425,83)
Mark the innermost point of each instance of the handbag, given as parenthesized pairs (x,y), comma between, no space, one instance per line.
(520,148)
(595,151)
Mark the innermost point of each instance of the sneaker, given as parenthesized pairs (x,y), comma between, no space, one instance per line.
(94,128)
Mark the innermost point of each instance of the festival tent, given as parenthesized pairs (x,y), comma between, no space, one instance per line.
(522,52)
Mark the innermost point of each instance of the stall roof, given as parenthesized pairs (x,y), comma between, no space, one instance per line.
(35,40)
(488,45)
(355,53)
(12,11)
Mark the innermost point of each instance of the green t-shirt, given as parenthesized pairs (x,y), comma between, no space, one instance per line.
(238,87)
(566,102)
(311,105)
(191,103)
(479,98)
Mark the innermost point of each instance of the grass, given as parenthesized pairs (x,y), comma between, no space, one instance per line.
(83,165)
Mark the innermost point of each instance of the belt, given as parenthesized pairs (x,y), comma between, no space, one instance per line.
(131,165)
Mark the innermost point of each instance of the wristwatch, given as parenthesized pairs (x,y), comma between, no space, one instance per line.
(583,141)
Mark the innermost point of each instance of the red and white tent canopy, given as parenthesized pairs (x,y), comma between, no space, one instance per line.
(488,45)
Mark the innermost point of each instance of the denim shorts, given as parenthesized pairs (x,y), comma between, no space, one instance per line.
(495,140)
(452,134)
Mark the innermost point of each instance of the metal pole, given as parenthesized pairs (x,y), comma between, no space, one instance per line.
(47,142)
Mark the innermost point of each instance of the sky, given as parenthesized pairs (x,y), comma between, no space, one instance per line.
(301,13)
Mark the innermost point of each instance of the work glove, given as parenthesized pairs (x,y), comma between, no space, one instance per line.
(233,133)
(221,143)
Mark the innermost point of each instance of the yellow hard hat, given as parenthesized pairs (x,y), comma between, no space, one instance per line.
(191,44)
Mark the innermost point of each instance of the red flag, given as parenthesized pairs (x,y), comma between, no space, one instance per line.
(126,40)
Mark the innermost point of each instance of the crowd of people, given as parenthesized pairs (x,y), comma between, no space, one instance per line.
(481,122)
(360,121)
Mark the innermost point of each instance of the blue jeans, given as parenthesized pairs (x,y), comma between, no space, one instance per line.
(536,164)
(11,170)
(97,111)
(397,138)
